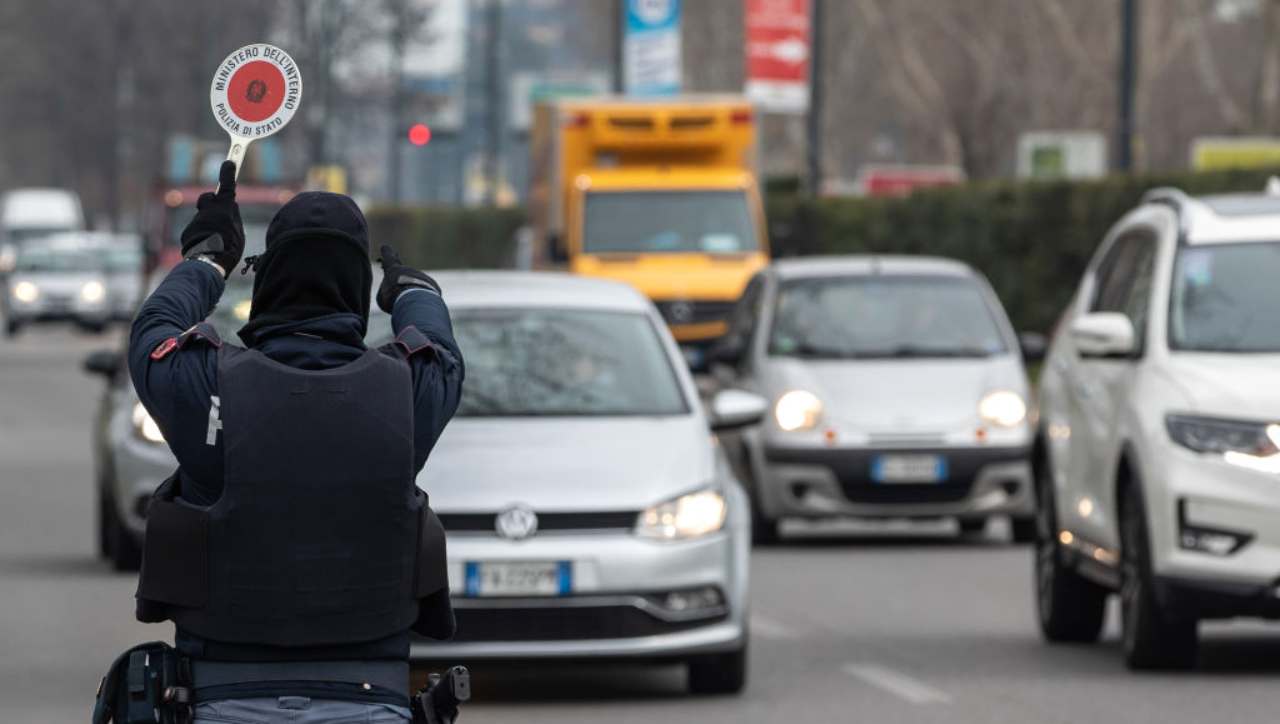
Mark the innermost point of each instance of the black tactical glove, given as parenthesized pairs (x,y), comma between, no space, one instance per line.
(396,277)
(216,232)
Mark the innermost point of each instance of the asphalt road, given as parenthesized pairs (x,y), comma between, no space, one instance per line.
(850,625)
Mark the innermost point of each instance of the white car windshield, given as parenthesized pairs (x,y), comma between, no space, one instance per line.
(535,362)
(1224,298)
(884,316)
(668,222)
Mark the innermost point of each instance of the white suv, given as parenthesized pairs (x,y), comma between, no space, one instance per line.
(1157,459)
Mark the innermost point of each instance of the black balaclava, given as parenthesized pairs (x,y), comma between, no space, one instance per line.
(316,264)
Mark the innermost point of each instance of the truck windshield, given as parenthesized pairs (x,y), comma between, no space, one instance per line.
(668,222)
(879,317)
(565,363)
(1222,297)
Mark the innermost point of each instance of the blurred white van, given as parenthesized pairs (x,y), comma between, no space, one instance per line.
(35,212)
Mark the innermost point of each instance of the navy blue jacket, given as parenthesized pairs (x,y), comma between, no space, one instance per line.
(177,387)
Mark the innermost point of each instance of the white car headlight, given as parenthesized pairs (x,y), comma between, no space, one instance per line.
(93,291)
(144,426)
(26,292)
(688,516)
(1253,445)
(797,410)
(1003,408)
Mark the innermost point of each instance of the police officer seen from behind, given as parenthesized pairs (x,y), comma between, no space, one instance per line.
(292,548)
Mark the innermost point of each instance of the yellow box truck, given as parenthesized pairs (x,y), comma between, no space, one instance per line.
(659,193)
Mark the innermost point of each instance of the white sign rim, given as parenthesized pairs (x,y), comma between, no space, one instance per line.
(283,114)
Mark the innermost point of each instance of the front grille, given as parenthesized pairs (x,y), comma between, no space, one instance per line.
(561,623)
(852,468)
(689,312)
(594,520)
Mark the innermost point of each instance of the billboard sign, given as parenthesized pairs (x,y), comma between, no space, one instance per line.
(651,47)
(1211,153)
(777,44)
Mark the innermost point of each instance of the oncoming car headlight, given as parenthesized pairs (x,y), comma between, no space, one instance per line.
(25,291)
(1003,408)
(93,292)
(144,426)
(797,410)
(689,516)
(1254,445)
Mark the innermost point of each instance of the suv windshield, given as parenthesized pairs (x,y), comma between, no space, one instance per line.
(564,363)
(1224,297)
(668,222)
(884,317)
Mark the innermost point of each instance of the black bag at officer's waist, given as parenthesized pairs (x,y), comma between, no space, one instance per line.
(148,684)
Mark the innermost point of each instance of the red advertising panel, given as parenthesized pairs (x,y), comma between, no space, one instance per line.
(777,44)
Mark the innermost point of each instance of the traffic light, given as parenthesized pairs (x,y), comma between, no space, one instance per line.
(419,134)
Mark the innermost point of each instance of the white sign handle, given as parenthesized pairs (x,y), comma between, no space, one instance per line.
(239,145)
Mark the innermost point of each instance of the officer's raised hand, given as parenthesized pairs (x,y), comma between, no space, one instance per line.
(397,277)
(216,233)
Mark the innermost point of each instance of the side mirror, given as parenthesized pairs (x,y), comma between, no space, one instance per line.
(555,248)
(1033,346)
(103,362)
(733,409)
(1103,334)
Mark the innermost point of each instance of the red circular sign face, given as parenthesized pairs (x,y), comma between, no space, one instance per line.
(256,91)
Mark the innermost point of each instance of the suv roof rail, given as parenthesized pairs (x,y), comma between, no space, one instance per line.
(1174,198)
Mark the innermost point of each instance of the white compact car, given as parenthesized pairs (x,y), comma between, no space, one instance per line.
(1158,447)
(898,391)
(589,508)
(56,278)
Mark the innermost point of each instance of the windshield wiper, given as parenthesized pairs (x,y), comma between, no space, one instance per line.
(908,351)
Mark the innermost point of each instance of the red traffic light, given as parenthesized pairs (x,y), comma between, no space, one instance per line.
(419,134)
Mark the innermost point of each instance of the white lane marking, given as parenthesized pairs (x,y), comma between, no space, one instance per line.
(767,628)
(900,685)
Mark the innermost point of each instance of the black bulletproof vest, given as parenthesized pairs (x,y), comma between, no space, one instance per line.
(321,536)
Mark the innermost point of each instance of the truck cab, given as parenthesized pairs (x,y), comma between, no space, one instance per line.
(660,194)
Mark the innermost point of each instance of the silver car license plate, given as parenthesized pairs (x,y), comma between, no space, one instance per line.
(518,578)
(909,468)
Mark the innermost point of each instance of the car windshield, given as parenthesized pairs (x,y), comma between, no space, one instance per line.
(233,311)
(884,317)
(1224,297)
(668,222)
(123,258)
(531,362)
(44,259)
(20,236)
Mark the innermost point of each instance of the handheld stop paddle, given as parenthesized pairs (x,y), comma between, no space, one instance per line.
(254,93)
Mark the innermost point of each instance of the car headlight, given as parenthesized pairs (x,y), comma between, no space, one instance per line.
(1003,408)
(26,292)
(93,291)
(797,410)
(688,516)
(144,426)
(1253,445)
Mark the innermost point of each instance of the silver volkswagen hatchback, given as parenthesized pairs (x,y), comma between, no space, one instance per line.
(589,508)
(898,391)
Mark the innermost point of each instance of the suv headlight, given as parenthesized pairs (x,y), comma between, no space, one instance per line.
(689,516)
(797,410)
(1002,408)
(144,426)
(1253,445)
(25,291)
(93,292)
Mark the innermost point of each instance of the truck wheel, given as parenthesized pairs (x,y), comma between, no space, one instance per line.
(12,327)
(1070,608)
(1152,638)
(718,673)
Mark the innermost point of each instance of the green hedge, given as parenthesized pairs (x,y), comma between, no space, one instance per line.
(447,238)
(1031,239)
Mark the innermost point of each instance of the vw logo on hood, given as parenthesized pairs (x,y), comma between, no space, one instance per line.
(681,312)
(516,523)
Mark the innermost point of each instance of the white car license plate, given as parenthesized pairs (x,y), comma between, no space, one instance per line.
(908,468)
(518,578)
